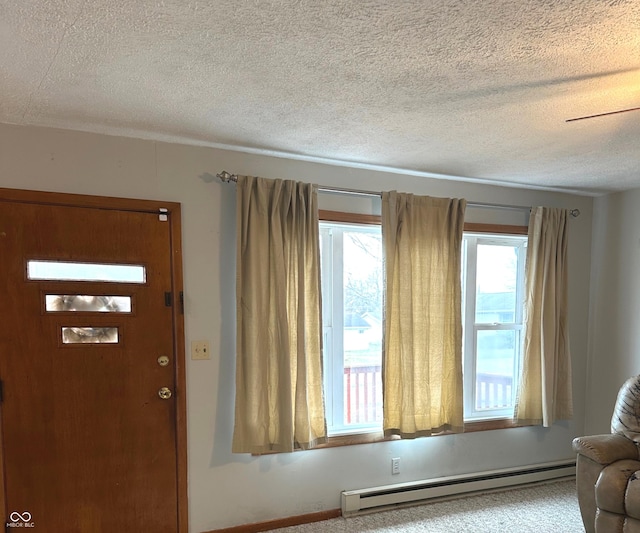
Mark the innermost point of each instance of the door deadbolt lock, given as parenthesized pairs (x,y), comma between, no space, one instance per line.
(163,360)
(164,393)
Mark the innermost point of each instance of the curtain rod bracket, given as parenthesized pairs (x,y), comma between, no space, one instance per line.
(226,177)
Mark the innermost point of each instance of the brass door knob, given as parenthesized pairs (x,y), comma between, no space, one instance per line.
(164,393)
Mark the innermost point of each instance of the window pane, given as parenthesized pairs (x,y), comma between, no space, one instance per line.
(496,358)
(493,281)
(69,271)
(89,335)
(362,279)
(85,303)
(496,280)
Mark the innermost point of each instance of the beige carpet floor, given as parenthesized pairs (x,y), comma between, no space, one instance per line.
(545,508)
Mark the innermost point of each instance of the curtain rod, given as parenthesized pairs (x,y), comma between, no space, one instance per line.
(226,177)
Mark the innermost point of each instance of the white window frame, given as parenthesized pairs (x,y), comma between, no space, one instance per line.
(471,328)
(331,237)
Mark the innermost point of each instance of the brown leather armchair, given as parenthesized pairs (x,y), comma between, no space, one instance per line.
(608,469)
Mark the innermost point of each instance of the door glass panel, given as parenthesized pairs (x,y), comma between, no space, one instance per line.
(89,335)
(68,271)
(80,303)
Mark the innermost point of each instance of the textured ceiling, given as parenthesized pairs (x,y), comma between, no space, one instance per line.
(475,89)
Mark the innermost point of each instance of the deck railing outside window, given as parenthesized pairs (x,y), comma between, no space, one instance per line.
(363,393)
(493,391)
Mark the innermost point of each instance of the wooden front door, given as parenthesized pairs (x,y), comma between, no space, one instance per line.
(91,354)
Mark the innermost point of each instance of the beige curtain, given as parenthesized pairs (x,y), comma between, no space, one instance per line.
(279,400)
(422,363)
(544,393)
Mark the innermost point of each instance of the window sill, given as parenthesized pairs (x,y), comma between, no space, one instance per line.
(488,425)
(357,438)
(378,436)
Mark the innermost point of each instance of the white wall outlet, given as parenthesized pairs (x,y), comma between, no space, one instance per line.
(200,350)
(395,465)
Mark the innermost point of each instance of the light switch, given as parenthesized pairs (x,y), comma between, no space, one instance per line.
(200,350)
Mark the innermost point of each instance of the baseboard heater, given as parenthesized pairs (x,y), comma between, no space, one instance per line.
(402,494)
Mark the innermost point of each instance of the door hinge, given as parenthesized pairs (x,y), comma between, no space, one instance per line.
(181,302)
(168,299)
(1,391)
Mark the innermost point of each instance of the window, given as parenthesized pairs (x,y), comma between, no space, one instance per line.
(70,271)
(89,335)
(351,256)
(493,305)
(352,293)
(79,303)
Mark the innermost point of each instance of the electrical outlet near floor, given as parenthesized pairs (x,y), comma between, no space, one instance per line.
(200,350)
(395,465)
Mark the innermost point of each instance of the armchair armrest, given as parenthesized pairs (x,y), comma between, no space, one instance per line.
(606,449)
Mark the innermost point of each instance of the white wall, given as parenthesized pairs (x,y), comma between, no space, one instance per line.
(614,348)
(227,489)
